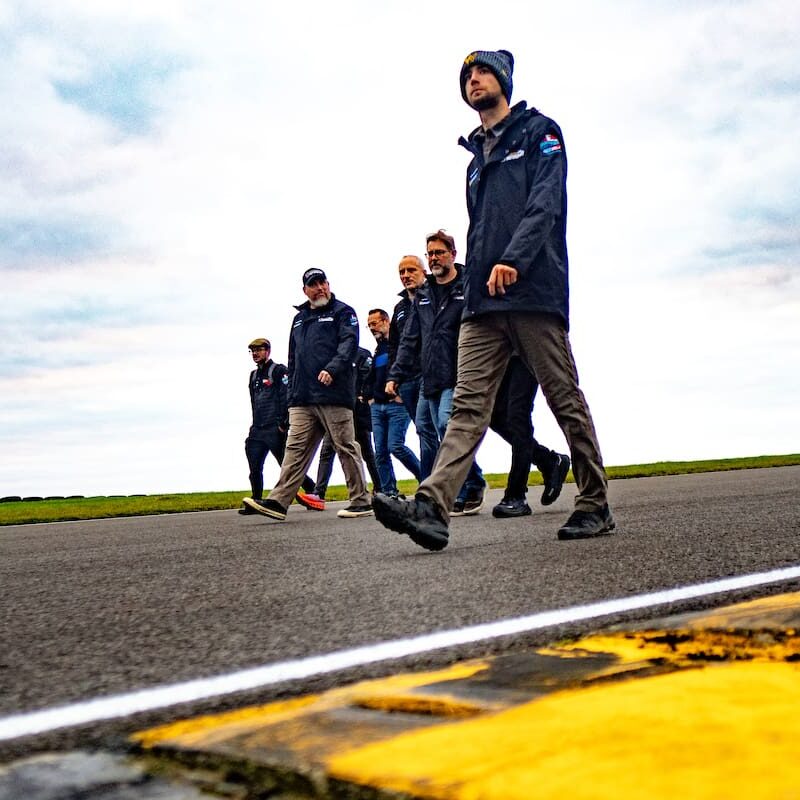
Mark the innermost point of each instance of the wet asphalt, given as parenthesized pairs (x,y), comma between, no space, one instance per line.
(103,607)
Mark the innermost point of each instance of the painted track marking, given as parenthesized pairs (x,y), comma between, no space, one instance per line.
(121,705)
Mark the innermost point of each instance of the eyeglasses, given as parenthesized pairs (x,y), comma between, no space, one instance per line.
(437,253)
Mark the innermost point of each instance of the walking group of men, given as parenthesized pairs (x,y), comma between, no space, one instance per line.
(466,349)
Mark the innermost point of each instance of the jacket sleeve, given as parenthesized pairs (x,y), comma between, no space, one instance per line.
(394,338)
(347,342)
(545,201)
(368,384)
(364,362)
(407,350)
(280,382)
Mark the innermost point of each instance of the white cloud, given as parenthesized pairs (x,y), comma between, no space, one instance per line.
(152,248)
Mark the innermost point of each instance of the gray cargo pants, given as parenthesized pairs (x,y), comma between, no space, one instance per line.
(307,426)
(485,344)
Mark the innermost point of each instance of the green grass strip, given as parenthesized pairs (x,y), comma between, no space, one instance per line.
(60,510)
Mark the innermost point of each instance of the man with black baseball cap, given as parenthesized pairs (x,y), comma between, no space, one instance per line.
(516,299)
(322,384)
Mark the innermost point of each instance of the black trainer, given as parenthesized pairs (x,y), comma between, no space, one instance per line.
(511,508)
(474,501)
(585,524)
(554,479)
(269,508)
(418,518)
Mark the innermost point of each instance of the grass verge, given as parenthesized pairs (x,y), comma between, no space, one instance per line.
(82,508)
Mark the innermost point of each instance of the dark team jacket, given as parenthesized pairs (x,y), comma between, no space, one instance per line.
(517,203)
(323,339)
(398,322)
(268,397)
(362,414)
(379,374)
(430,337)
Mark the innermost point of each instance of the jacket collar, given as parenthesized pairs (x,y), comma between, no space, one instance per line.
(475,146)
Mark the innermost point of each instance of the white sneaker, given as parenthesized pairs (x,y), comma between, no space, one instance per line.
(356,511)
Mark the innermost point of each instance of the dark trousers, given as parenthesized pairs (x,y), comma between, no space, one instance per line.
(511,419)
(327,453)
(257,446)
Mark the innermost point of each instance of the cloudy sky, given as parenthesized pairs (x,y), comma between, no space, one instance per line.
(169,170)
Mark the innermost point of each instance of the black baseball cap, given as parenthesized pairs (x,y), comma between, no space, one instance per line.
(313,274)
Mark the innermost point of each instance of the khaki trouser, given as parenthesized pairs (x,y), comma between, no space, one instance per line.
(485,345)
(307,426)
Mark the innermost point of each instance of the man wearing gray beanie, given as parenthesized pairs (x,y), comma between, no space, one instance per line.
(516,301)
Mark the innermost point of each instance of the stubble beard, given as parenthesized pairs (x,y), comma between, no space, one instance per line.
(486,102)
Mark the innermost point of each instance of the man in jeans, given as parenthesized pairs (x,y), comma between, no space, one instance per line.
(390,419)
(322,392)
(412,275)
(516,299)
(430,343)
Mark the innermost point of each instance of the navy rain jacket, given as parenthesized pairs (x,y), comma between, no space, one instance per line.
(430,337)
(517,203)
(323,338)
(268,396)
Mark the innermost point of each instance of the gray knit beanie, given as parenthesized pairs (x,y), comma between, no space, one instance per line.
(500,62)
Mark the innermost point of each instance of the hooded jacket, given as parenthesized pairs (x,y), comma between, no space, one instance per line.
(430,337)
(323,339)
(517,204)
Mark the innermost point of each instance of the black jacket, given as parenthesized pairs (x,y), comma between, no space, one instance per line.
(517,203)
(378,375)
(268,396)
(430,337)
(361,411)
(323,339)
(402,311)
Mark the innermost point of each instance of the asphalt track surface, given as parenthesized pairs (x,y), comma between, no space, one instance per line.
(100,608)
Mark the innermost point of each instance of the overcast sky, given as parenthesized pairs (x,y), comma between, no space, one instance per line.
(169,170)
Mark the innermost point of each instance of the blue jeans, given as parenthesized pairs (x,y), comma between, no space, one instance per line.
(436,412)
(389,425)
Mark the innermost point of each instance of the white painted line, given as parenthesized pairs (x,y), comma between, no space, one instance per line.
(104,708)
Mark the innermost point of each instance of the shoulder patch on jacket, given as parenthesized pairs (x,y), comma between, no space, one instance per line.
(549,145)
(353,320)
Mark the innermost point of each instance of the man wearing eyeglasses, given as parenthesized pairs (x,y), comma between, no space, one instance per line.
(430,344)
(322,392)
(516,299)
(268,384)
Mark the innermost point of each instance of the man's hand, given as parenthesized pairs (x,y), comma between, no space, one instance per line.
(390,388)
(325,378)
(502,276)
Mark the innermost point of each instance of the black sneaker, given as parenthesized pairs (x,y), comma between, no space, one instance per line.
(458,509)
(474,502)
(269,508)
(554,479)
(585,524)
(511,508)
(418,518)
(246,509)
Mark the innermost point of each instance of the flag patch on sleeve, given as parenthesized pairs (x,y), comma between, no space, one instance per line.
(549,145)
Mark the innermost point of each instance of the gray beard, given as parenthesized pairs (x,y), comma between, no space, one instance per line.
(322,301)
